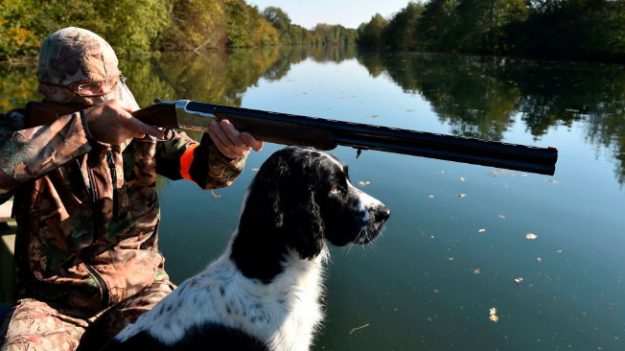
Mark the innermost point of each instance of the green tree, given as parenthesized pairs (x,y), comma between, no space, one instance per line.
(290,34)
(195,25)
(438,29)
(246,27)
(278,18)
(485,23)
(371,33)
(401,32)
(577,29)
(130,26)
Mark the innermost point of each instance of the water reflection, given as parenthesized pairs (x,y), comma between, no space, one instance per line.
(446,258)
(478,97)
(481,97)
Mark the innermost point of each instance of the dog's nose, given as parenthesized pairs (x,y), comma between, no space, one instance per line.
(382,213)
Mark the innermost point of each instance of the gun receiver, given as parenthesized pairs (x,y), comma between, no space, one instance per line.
(325,134)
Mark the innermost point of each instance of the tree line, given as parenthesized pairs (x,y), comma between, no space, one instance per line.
(555,29)
(159,25)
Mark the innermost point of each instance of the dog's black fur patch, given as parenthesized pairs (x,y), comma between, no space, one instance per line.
(289,205)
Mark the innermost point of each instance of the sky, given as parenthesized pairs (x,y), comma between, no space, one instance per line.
(349,13)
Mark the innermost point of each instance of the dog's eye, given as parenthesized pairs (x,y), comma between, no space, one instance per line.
(337,190)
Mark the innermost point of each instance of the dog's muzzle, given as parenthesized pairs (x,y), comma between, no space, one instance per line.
(377,217)
(381,214)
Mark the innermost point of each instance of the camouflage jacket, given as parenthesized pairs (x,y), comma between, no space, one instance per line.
(87,213)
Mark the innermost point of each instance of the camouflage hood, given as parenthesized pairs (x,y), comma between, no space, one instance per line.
(73,55)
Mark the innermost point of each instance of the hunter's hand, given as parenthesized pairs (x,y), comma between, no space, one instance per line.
(112,123)
(230,142)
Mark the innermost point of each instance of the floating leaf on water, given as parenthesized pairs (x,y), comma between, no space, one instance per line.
(498,172)
(462,195)
(504,172)
(559,251)
(518,280)
(364,182)
(501,216)
(492,315)
(436,291)
(450,258)
(531,236)
(255,169)
(375,116)
(539,259)
(462,179)
(215,195)
(432,236)
(476,271)
(430,196)
(481,230)
(553,181)
(358,328)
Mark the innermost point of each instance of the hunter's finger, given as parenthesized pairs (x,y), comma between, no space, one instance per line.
(220,140)
(233,134)
(250,141)
(142,128)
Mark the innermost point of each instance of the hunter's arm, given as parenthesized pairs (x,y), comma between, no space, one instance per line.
(182,157)
(29,153)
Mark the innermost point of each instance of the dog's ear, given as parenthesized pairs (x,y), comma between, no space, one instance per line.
(304,227)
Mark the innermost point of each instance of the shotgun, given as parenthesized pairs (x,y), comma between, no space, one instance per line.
(325,134)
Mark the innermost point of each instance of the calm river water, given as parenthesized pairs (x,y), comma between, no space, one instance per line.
(456,246)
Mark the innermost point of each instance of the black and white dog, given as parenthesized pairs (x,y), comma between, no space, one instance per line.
(263,293)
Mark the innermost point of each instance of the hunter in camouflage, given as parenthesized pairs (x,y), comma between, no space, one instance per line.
(85,200)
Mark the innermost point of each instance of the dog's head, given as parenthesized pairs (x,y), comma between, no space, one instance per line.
(301,196)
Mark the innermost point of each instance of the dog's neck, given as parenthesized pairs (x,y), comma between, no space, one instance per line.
(296,285)
(259,253)
(265,237)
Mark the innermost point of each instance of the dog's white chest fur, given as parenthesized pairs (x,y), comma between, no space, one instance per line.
(283,313)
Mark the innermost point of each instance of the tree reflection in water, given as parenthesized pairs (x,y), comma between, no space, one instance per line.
(477,96)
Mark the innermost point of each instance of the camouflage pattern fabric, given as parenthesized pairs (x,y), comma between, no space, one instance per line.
(87,213)
(36,325)
(75,54)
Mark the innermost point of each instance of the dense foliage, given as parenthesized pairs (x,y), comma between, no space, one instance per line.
(323,34)
(141,26)
(572,29)
(127,24)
